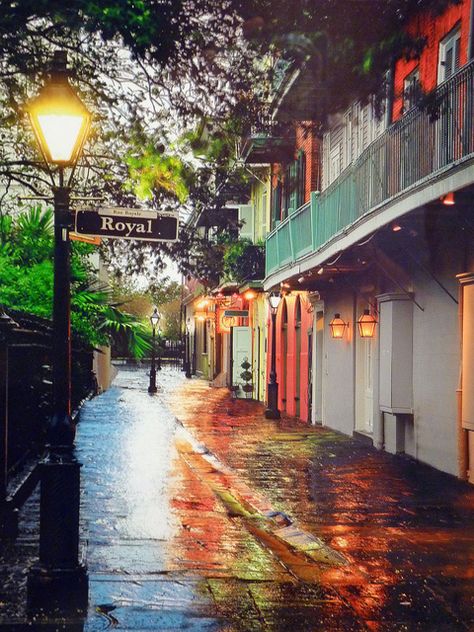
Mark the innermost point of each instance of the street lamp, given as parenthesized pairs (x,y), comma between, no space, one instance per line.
(187,363)
(61,123)
(154,319)
(272,411)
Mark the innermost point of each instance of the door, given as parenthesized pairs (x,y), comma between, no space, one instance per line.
(318,368)
(364,385)
(241,354)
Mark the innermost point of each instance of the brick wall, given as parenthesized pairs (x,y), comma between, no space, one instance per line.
(434,29)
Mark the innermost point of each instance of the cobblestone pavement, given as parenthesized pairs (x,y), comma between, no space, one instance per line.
(200,514)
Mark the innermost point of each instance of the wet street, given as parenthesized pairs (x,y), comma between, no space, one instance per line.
(200,514)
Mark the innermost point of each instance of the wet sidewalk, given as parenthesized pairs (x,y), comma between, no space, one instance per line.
(200,514)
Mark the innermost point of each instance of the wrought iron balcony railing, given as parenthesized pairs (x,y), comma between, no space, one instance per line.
(413,151)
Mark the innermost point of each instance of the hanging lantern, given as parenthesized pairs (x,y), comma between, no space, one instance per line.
(366,324)
(337,326)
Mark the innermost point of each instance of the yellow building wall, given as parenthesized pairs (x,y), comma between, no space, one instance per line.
(260,198)
(259,334)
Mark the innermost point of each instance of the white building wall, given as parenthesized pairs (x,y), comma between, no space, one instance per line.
(338,382)
(436,364)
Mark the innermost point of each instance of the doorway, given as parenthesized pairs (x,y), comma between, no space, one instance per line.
(364,421)
(318,366)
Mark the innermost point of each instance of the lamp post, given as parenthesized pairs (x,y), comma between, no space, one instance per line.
(154,319)
(188,349)
(61,123)
(272,411)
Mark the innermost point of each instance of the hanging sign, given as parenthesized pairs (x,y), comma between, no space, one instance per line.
(128,223)
(224,323)
(237,313)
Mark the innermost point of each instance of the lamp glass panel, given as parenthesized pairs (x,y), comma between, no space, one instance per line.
(61,133)
(337,326)
(366,324)
(274,300)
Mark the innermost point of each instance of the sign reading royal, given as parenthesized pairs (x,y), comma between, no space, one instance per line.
(128,223)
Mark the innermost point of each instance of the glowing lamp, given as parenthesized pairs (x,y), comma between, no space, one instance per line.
(201,316)
(448,199)
(366,324)
(337,326)
(155,318)
(59,118)
(249,295)
(274,300)
(202,303)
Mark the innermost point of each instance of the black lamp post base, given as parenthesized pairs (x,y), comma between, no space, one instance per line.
(57,591)
(272,413)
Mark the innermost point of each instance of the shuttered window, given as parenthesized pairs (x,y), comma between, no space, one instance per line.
(449,55)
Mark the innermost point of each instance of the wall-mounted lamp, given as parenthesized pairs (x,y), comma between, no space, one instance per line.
(448,199)
(249,295)
(337,326)
(202,303)
(366,324)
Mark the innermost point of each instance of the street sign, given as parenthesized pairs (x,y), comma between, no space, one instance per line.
(128,223)
(242,313)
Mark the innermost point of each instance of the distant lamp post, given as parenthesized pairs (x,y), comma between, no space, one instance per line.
(61,123)
(154,319)
(272,411)
(337,327)
(366,324)
(188,349)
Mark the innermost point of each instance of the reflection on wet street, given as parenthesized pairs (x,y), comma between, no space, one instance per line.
(200,514)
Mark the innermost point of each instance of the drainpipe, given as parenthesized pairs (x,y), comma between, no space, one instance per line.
(470,49)
(391,91)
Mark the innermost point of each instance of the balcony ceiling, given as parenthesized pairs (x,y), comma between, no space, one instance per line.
(263,148)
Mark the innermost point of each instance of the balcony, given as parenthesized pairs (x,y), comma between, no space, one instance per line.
(268,142)
(424,147)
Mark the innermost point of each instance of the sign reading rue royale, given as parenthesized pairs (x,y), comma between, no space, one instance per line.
(128,223)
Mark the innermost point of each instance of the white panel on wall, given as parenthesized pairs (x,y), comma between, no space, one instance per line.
(467,282)
(396,353)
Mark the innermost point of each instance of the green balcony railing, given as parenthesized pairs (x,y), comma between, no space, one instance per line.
(413,150)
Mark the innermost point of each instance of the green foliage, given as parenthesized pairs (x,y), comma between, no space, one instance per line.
(27,276)
(244,261)
(151,172)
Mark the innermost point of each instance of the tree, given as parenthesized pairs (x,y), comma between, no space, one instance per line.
(26,283)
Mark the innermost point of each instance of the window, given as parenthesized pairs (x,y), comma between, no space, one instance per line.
(411,89)
(301,178)
(276,204)
(449,52)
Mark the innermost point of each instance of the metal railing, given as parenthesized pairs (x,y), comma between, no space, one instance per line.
(423,143)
